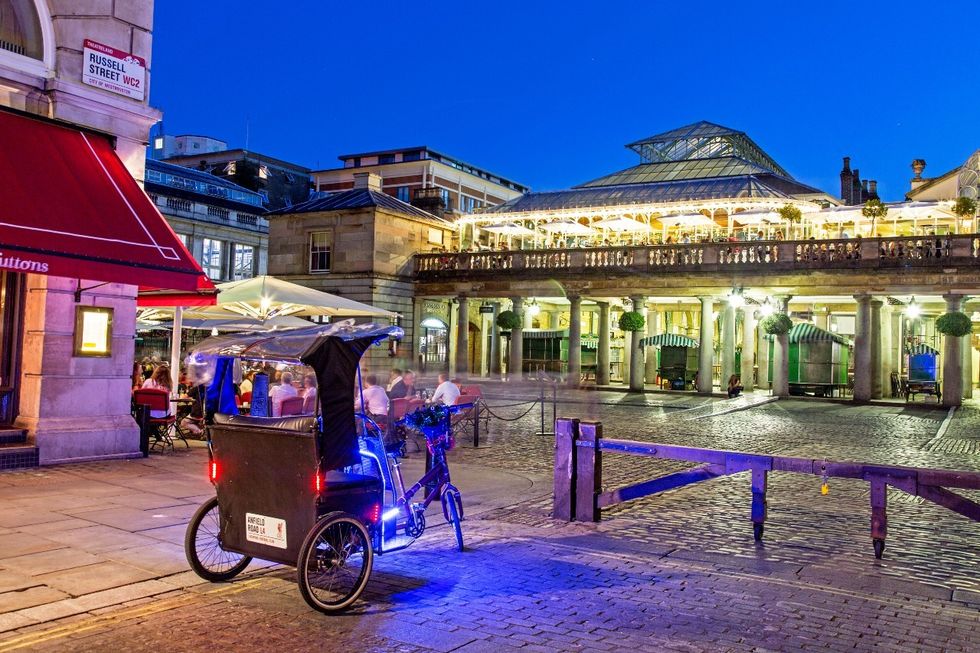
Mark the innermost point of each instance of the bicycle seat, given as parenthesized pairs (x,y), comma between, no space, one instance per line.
(336,479)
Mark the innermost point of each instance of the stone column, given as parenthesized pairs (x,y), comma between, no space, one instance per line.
(574,340)
(952,382)
(495,341)
(821,319)
(763,358)
(748,348)
(887,344)
(780,355)
(876,348)
(602,355)
(514,367)
(968,366)
(637,364)
(653,327)
(706,346)
(898,341)
(463,337)
(862,349)
(727,344)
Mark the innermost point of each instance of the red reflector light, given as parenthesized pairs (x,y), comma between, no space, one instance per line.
(213,471)
(318,482)
(375,514)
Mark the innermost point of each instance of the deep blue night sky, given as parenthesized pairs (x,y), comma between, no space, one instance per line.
(547,93)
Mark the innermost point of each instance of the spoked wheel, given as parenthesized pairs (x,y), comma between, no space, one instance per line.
(335,563)
(452,508)
(202,546)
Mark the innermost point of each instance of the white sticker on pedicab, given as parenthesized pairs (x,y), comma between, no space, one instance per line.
(265,530)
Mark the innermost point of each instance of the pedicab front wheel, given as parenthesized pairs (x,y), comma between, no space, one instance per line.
(334,563)
(202,546)
(452,507)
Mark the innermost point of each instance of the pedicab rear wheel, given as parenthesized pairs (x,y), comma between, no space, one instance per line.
(202,546)
(334,563)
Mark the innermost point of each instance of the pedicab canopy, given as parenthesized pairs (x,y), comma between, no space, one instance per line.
(332,350)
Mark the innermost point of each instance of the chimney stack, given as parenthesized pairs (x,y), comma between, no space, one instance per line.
(368,181)
(847,164)
(873,189)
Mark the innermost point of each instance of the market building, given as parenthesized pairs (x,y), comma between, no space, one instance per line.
(706,236)
(79,237)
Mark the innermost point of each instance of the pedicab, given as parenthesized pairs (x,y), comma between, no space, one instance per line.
(320,492)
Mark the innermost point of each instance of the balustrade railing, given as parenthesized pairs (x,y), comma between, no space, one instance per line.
(748,255)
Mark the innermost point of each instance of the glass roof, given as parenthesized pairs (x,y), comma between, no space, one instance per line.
(677,170)
(703,140)
(676,191)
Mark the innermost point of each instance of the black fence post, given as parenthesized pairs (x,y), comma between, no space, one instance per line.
(589,471)
(141,414)
(476,422)
(566,433)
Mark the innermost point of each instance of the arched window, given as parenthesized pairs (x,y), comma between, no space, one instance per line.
(20,28)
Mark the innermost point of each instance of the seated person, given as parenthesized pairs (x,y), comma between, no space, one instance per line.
(160,380)
(447,392)
(280,392)
(193,423)
(375,398)
(401,385)
(734,387)
(309,394)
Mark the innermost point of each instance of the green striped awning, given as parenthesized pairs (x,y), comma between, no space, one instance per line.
(668,340)
(807,332)
(546,333)
(923,348)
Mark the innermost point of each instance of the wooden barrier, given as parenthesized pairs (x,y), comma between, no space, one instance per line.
(578,493)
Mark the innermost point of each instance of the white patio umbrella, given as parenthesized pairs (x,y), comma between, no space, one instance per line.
(622,223)
(265,297)
(757,217)
(687,220)
(509,229)
(567,227)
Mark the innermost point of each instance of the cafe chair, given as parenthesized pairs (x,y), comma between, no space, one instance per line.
(164,427)
(291,406)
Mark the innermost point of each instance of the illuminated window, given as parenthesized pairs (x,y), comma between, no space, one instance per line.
(263,172)
(93,331)
(244,262)
(183,238)
(211,258)
(20,28)
(320,244)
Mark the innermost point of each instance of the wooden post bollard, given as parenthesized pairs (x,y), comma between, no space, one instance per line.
(879,517)
(760,481)
(476,422)
(566,433)
(589,471)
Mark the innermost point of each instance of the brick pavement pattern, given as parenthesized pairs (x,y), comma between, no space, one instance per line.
(678,571)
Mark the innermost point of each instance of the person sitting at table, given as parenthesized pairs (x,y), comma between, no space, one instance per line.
(394,376)
(309,394)
(160,380)
(375,399)
(246,384)
(398,389)
(281,392)
(193,423)
(446,392)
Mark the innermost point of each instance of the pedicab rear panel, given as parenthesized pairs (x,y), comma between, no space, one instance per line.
(266,484)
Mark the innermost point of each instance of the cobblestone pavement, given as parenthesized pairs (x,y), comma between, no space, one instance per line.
(678,571)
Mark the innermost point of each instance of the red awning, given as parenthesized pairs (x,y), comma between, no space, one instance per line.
(70,208)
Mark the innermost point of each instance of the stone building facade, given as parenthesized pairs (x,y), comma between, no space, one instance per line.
(71,408)
(358,244)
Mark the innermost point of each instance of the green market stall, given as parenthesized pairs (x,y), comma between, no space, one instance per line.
(818,360)
(678,359)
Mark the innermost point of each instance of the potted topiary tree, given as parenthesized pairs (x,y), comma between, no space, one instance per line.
(631,321)
(956,324)
(508,320)
(875,210)
(777,324)
(793,216)
(966,209)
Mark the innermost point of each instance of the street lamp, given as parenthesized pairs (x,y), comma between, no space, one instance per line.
(735,298)
(767,308)
(533,310)
(913,310)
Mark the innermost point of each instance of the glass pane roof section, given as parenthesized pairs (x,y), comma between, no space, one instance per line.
(703,140)
(651,193)
(645,173)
